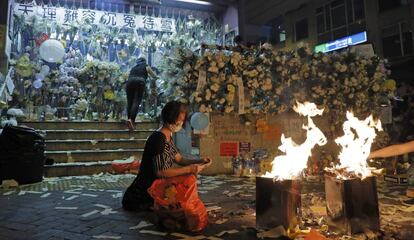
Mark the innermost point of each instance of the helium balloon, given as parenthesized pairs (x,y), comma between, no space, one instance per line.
(37,84)
(45,69)
(199,121)
(52,51)
(39,76)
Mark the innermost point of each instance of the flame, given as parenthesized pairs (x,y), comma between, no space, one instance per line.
(291,165)
(356,145)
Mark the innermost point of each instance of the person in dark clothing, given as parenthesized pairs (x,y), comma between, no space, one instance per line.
(157,161)
(135,88)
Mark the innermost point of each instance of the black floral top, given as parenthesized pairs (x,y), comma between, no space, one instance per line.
(159,154)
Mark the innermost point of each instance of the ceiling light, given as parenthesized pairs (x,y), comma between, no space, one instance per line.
(195,2)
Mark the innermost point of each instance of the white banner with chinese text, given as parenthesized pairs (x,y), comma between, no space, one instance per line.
(65,16)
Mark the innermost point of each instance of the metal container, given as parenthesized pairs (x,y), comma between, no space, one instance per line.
(352,205)
(277,203)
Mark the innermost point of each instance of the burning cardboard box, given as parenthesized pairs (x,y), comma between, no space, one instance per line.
(278,193)
(350,188)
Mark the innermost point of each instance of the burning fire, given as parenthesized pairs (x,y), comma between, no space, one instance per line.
(356,145)
(290,165)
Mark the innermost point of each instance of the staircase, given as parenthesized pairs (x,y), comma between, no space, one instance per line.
(86,148)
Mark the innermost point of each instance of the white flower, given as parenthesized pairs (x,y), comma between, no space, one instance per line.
(215,87)
(230,97)
(203,108)
(228,109)
(208,94)
(213,69)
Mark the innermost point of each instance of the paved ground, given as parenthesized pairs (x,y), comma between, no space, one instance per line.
(89,208)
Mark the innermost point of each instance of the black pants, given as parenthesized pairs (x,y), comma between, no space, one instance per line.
(135,90)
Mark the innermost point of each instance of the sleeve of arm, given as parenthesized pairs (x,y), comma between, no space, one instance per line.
(151,72)
(157,142)
(159,162)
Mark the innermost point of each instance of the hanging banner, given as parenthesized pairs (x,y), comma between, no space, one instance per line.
(202,79)
(65,16)
(10,28)
(9,82)
(240,88)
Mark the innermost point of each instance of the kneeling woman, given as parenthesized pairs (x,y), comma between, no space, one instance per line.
(159,155)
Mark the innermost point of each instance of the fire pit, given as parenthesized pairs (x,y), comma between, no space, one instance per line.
(277,203)
(278,199)
(352,205)
(350,187)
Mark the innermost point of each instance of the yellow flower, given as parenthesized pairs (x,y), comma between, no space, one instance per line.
(215,87)
(231,88)
(389,85)
(376,87)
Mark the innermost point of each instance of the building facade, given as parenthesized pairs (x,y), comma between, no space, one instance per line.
(388,23)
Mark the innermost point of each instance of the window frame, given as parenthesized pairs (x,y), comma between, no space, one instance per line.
(348,23)
(307,29)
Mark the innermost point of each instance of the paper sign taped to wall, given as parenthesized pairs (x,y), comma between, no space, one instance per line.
(244,146)
(229,149)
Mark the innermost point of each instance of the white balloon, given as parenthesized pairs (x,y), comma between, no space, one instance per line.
(37,84)
(52,51)
(45,69)
(39,76)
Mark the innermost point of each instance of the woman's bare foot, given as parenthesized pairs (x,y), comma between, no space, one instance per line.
(130,125)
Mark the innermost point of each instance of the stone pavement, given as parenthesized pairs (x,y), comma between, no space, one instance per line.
(90,208)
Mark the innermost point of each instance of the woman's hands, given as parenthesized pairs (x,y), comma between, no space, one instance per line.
(197,168)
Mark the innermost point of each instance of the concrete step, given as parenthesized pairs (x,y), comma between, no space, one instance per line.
(85,125)
(96,134)
(78,169)
(98,144)
(93,155)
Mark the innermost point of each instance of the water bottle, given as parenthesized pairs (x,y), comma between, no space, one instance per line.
(410,180)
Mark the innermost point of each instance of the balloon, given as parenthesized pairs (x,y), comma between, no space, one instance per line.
(37,84)
(45,69)
(199,121)
(39,76)
(52,51)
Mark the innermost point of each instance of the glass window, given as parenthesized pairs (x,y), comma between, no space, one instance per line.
(324,38)
(359,9)
(278,34)
(337,3)
(320,23)
(349,11)
(391,46)
(301,29)
(356,27)
(282,36)
(328,17)
(385,5)
(340,33)
(407,38)
(319,10)
(338,16)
